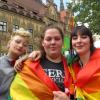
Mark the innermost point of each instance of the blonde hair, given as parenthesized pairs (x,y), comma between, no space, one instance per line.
(23,33)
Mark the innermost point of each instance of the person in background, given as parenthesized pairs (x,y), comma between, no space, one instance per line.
(17,46)
(47,77)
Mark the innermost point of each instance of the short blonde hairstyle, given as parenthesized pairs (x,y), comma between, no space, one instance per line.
(23,33)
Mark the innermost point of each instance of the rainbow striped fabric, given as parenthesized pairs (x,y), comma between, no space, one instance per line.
(87,80)
(32,83)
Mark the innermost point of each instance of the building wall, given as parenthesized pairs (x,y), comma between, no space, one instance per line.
(21,21)
(28,14)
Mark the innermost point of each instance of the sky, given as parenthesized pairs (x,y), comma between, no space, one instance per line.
(58,3)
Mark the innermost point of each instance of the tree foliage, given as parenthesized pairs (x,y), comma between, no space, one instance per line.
(87,11)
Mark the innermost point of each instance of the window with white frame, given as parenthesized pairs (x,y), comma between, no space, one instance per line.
(15,27)
(3,26)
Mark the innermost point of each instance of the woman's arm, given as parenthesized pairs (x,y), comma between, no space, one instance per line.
(35,55)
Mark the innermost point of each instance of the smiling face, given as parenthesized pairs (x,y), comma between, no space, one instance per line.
(82,40)
(18,45)
(81,43)
(52,43)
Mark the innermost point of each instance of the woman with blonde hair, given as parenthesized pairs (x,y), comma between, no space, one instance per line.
(17,46)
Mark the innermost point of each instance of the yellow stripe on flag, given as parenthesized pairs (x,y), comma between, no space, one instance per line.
(22,90)
(82,95)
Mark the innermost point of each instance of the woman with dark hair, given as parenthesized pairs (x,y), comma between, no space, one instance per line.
(83,32)
(38,79)
(85,71)
(85,66)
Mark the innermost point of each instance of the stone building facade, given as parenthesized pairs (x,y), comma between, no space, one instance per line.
(32,15)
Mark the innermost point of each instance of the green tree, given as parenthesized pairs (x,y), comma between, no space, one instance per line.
(87,11)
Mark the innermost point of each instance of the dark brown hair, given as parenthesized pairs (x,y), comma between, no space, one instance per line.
(83,30)
(43,34)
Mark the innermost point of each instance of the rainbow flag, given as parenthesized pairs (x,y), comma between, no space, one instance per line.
(32,83)
(87,80)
